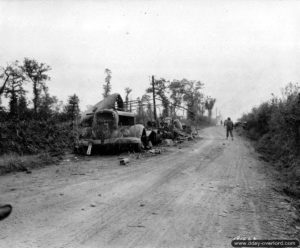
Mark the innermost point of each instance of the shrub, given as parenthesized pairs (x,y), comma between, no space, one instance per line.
(275,125)
(33,137)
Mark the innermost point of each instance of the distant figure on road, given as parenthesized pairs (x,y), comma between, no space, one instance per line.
(229,128)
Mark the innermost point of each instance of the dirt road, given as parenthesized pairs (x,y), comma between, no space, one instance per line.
(197,196)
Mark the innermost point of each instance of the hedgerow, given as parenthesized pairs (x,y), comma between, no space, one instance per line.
(275,126)
(34,136)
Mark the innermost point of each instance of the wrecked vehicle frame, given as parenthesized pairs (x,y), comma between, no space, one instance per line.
(109,130)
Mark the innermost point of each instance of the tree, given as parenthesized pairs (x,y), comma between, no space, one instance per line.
(36,73)
(107,85)
(149,113)
(22,107)
(47,104)
(14,87)
(160,89)
(127,91)
(139,111)
(177,88)
(193,97)
(72,108)
(209,105)
(4,75)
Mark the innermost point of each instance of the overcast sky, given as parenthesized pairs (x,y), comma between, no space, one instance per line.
(241,50)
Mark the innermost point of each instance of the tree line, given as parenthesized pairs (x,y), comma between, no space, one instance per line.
(172,97)
(35,121)
(15,76)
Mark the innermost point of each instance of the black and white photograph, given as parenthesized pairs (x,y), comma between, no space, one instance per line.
(147,123)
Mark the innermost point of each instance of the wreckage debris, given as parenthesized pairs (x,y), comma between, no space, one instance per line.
(155,151)
(108,127)
(154,136)
(89,150)
(168,142)
(124,161)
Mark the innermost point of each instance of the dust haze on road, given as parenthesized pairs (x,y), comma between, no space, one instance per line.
(202,195)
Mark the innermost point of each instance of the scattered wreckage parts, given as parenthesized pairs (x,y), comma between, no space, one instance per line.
(107,128)
(124,161)
(109,147)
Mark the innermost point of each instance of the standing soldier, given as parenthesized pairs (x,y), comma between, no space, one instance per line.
(229,128)
(225,123)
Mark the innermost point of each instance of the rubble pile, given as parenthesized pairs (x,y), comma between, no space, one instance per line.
(170,133)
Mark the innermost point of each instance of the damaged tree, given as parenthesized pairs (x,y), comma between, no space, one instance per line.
(209,105)
(107,85)
(127,91)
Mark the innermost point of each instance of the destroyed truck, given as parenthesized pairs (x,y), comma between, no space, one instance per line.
(107,127)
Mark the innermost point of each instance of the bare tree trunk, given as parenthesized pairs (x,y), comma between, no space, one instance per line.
(3,86)
(35,97)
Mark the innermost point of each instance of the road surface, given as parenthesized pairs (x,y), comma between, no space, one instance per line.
(202,195)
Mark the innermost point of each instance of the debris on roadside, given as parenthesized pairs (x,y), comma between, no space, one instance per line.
(168,142)
(77,174)
(155,151)
(136,226)
(124,133)
(124,161)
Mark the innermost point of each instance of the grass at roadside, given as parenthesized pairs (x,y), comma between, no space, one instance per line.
(14,162)
(287,166)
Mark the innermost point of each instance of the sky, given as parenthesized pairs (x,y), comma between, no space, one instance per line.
(241,50)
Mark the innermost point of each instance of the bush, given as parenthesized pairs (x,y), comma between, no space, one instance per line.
(33,137)
(275,125)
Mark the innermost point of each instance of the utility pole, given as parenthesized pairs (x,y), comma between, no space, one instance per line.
(154,104)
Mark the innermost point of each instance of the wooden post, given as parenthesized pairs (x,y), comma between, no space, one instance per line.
(154,104)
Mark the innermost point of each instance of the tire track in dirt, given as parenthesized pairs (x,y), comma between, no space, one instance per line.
(172,172)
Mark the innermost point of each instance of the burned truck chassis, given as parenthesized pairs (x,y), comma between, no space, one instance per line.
(110,131)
